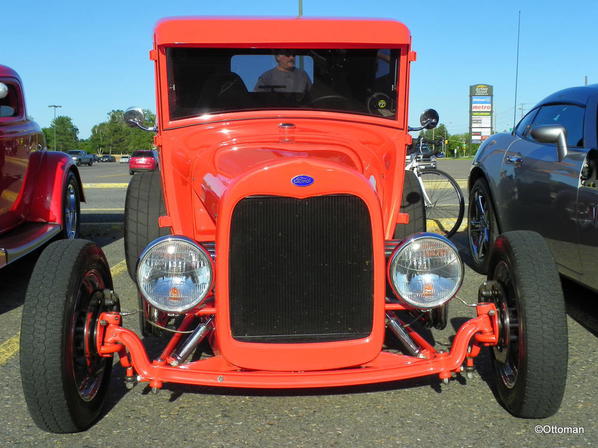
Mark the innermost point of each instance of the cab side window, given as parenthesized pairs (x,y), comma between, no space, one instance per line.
(525,124)
(569,116)
(10,103)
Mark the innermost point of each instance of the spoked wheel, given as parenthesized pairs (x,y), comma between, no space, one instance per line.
(71,208)
(444,201)
(482,229)
(65,381)
(530,360)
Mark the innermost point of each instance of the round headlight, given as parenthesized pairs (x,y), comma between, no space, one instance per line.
(174,274)
(425,270)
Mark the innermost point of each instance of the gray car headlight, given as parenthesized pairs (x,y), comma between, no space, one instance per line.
(174,274)
(425,270)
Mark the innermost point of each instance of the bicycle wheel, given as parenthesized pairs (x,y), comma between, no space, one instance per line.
(444,202)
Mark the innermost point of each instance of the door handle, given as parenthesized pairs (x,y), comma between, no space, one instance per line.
(515,160)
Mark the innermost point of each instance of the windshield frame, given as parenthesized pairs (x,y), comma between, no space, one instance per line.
(396,61)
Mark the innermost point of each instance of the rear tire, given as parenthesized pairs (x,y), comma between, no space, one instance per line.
(530,360)
(65,381)
(413,204)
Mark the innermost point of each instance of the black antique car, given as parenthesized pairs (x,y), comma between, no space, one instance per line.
(542,177)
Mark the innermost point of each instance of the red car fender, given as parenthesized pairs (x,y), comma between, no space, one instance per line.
(44,194)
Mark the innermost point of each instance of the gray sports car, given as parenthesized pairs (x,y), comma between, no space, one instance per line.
(542,177)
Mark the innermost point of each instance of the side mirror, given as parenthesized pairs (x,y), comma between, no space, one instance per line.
(552,134)
(134,118)
(3,90)
(429,119)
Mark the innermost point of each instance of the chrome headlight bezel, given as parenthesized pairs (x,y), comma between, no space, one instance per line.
(407,244)
(202,254)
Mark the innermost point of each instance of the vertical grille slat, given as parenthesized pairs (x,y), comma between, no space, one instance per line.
(301,270)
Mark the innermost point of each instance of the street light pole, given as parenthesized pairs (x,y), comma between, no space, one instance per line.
(55,106)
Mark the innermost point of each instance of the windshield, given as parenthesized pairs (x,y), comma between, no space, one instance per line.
(143,154)
(361,81)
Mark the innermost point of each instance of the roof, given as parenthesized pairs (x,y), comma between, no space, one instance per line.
(577,95)
(281,32)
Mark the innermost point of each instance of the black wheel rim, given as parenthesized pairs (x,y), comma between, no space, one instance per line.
(71,211)
(479,228)
(88,368)
(507,354)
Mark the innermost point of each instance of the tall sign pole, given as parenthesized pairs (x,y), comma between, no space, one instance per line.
(517,70)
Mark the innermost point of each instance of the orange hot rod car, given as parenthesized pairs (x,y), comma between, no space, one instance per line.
(281,243)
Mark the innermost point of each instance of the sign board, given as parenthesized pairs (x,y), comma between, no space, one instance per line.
(481,99)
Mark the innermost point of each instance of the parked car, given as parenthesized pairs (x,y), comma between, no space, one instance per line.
(143,160)
(283,232)
(40,190)
(107,158)
(81,157)
(96,158)
(543,177)
(124,159)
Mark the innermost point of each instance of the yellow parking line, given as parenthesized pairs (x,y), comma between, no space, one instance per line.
(114,185)
(85,209)
(461,182)
(118,268)
(110,175)
(10,347)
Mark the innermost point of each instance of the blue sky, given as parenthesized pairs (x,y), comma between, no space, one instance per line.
(92,57)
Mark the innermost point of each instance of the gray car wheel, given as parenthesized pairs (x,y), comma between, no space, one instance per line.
(482,228)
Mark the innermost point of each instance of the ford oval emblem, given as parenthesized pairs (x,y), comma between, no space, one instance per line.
(302,180)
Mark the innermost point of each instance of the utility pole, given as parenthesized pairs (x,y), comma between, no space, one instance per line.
(55,106)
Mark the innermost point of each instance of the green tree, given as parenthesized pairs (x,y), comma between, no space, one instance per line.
(66,134)
(114,136)
(436,137)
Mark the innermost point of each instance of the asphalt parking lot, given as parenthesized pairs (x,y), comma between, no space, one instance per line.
(420,412)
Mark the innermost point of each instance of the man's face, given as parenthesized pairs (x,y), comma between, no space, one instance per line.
(286,61)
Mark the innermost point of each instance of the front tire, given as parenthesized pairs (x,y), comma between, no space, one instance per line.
(144,205)
(65,381)
(530,360)
(412,203)
(71,208)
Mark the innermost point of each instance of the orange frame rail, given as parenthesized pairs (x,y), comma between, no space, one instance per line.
(216,371)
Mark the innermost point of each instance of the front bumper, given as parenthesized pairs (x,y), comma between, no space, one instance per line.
(217,371)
